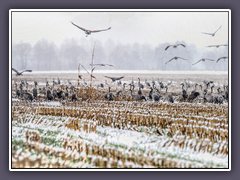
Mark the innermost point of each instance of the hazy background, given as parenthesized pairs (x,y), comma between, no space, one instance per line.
(48,41)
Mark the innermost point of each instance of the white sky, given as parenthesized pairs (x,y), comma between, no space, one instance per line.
(127,27)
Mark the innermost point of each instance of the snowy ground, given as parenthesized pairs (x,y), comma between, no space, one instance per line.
(101,134)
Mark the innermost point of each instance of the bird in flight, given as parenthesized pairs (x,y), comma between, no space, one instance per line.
(88,32)
(175,58)
(102,65)
(18,73)
(222,58)
(114,78)
(218,45)
(88,72)
(212,34)
(174,46)
(203,59)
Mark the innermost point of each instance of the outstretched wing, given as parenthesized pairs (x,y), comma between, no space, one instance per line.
(27,70)
(94,31)
(109,77)
(182,58)
(15,70)
(83,29)
(93,69)
(85,69)
(168,47)
(169,60)
(88,71)
(207,33)
(197,62)
(217,45)
(209,59)
(217,30)
(109,65)
(102,65)
(224,57)
(183,45)
(212,46)
(119,78)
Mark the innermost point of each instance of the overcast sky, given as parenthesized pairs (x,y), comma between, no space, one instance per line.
(151,28)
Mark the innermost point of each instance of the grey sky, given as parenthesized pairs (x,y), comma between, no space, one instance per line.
(127,27)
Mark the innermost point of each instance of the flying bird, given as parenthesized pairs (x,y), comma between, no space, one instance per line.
(222,58)
(175,58)
(102,65)
(20,73)
(88,32)
(203,59)
(218,45)
(88,71)
(212,34)
(174,46)
(114,78)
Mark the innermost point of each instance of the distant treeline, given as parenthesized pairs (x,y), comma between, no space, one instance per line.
(45,55)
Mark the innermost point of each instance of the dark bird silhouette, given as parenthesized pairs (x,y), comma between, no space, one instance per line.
(193,96)
(49,95)
(184,92)
(138,96)
(88,32)
(170,98)
(27,96)
(74,97)
(218,45)
(221,58)
(174,46)
(35,92)
(175,58)
(155,96)
(18,73)
(109,96)
(114,78)
(203,60)
(212,34)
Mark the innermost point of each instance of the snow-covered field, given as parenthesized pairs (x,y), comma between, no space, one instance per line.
(120,134)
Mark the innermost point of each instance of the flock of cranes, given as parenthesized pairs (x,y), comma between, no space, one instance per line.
(155,90)
(151,91)
(202,59)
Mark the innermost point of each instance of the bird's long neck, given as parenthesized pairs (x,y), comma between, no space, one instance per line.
(212,89)
(182,86)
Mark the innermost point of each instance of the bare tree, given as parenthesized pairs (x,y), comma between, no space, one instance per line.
(22,50)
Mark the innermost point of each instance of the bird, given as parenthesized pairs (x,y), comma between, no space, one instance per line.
(102,65)
(138,96)
(218,45)
(87,31)
(174,46)
(203,59)
(224,57)
(18,73)
(114,78)
(88,72)
(109,96)
(175,58)
(212,34)
(27,96)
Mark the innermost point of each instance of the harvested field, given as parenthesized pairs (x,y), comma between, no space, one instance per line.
(94,132)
